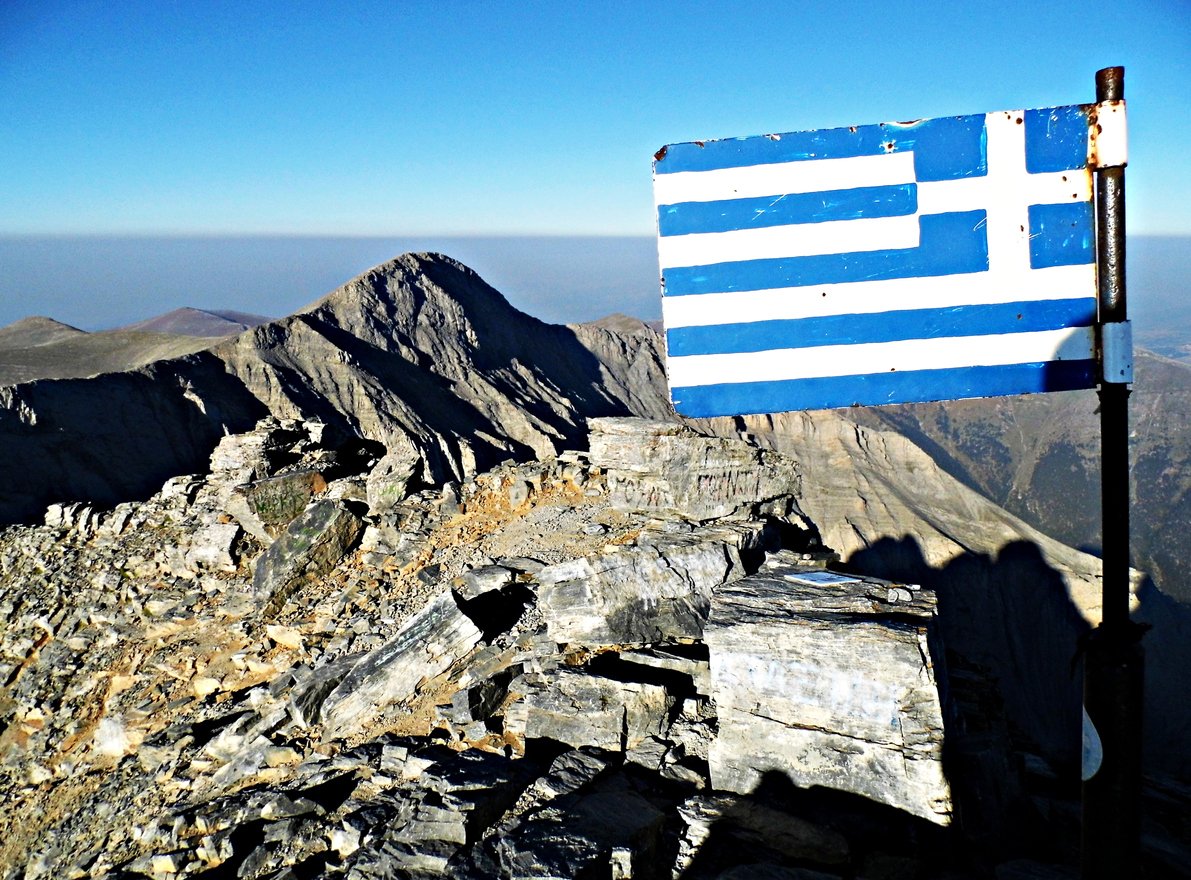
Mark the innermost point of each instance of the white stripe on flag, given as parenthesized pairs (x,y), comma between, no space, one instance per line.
(869,297)
(806,239)
(811,175)
(973,193)
(857,360)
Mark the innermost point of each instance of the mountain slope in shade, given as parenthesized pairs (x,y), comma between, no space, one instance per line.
(1038,456)
(200,322)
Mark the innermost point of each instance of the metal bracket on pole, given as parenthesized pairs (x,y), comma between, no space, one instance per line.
(1108,139)
(1116,352)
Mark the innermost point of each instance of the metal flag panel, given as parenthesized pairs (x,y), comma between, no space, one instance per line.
(888,263)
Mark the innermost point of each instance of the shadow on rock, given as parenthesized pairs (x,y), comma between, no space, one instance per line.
(780,830)
(1012,639)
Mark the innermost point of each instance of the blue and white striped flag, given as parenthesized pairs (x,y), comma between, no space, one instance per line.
(889,263)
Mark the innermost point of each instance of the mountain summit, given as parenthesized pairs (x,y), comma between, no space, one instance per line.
(393,521)
(418,354)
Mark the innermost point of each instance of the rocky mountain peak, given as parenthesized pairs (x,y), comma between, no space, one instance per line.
(428,303)
(410,596)
(417,354)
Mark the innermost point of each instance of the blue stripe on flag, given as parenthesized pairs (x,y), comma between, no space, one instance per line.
(1056,139)
(979,320)
(949,244)
(780,210)
(1061,235)
(944,149)
(705,401)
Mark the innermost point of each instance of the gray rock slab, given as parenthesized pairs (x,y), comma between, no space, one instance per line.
(831,686)
(605,834)
(266,507)
(633,595)
(570,772)
(389,479)
(668,468)
(312,545)
(213,548)
(484,579)
(581,709)
(699,670)
(425,647)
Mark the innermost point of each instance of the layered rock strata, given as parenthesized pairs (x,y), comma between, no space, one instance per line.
(831,681)
(419,707)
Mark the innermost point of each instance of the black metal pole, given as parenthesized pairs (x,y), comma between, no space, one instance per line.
(1114,661)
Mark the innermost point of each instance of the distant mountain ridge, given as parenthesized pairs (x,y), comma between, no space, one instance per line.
(200,322)
(42,348)
(36,331)
(418,353)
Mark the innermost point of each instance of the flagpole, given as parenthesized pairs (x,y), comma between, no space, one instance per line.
(1114,660)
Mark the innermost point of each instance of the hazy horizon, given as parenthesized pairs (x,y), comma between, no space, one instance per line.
(101,282)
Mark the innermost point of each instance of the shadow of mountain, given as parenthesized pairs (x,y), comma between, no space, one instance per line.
(115,437)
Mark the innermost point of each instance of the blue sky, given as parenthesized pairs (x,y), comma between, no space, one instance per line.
(532,118)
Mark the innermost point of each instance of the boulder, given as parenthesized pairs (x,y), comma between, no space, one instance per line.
(485,579)
(389,480)
(656,591)
(582,709)
(265,508)
(831,684)
(312,545)
(213,547)
(240,458)
(425,647)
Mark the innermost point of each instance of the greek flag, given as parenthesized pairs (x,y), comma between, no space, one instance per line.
(890,263)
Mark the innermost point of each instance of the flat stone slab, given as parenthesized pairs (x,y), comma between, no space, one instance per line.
(636,595)
(665,467)
(581,709)
(426,646)
(266,507)
(832,682)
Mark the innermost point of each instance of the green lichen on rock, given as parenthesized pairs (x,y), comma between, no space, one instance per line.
(312,545)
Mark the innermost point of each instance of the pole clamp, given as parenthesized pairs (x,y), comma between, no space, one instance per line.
(1116,352)
(1108,141)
